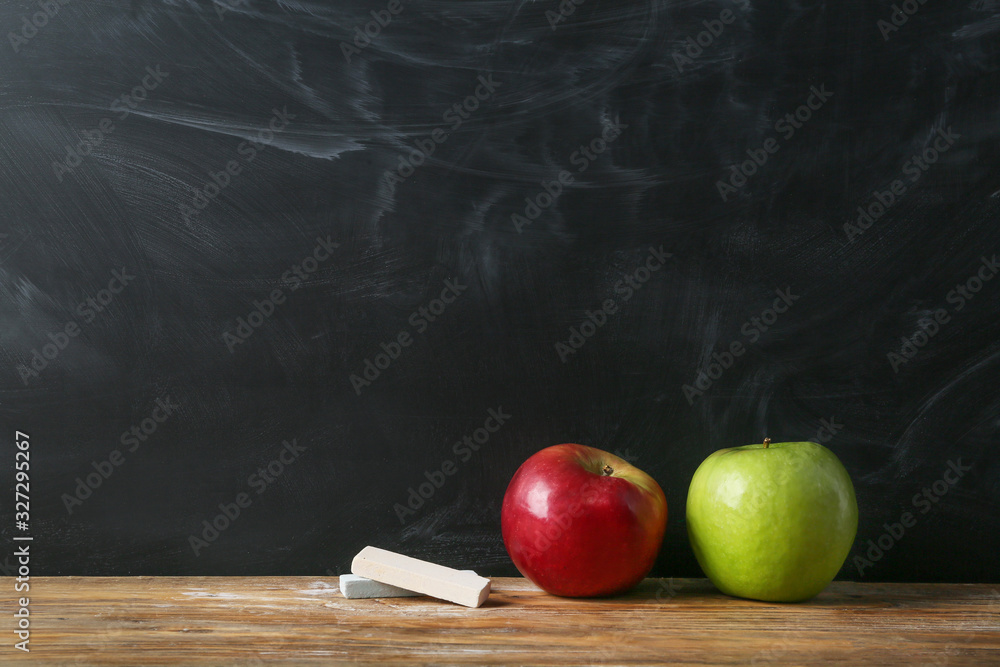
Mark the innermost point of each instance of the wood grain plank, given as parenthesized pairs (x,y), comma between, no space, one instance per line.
(262,620)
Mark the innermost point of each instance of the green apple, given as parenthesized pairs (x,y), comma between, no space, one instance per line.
(772,522)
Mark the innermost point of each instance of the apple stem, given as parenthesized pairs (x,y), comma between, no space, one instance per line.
(767,443)
(607,470)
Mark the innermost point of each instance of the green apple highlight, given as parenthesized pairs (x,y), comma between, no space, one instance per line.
(772,522)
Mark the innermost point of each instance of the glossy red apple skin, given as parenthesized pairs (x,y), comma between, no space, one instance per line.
(575,530)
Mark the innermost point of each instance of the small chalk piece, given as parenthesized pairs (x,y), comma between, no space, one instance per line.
(465,588)
(356,588)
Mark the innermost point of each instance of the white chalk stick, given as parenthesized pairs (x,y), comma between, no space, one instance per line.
(355,587)
(466,588)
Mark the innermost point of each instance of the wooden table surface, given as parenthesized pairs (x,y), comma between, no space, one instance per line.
(263,620)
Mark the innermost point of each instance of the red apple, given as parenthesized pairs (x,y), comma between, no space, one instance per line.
(580,522)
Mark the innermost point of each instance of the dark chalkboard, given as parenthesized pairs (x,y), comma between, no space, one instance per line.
(286,260)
